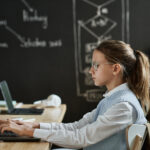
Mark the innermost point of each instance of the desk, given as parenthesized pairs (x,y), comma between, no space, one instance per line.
(49,115)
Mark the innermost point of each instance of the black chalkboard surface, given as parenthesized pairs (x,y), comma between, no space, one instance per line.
(46,46)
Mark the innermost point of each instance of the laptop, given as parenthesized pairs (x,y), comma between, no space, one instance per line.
(9,103)
(9,136)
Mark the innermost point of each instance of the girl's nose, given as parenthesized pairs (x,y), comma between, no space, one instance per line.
(91,70)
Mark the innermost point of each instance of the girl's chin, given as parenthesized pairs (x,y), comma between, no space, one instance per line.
(97,84)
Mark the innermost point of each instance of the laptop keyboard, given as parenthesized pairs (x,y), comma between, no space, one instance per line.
(27,111)
(8,134)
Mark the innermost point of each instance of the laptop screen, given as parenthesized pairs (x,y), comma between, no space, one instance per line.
(6,95)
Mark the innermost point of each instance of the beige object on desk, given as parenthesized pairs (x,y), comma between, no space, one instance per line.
(49,115)
(52,100)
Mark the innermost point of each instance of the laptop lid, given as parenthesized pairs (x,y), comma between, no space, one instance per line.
(6,95)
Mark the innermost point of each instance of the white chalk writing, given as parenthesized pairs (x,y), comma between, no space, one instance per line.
(57,43)
(34,17)
(3,22)
(33,43)
(3,45)
(40,43)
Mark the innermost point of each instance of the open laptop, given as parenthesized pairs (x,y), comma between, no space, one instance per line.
(9,103)
(9,136)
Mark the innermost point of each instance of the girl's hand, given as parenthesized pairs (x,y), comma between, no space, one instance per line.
(20,129)
(30,124)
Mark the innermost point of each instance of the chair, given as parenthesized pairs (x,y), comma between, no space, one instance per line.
(135,136)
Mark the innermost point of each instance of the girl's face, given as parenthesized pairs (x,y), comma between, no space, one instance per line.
(101,70)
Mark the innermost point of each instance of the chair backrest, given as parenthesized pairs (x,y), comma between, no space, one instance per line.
(135,136)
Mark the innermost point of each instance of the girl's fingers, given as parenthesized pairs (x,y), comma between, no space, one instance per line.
(5,129)
(3,121)
(3,125)
(17,122)
(7,124)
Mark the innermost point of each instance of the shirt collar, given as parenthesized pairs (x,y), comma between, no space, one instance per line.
(116,89)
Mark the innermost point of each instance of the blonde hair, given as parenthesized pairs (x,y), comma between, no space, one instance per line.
(135,65)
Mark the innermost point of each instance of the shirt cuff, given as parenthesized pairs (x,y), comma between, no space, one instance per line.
(46,126)
(40,133)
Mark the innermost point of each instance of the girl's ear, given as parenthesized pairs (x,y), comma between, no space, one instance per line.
(116,69)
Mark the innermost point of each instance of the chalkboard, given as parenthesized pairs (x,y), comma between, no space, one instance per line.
(46,46)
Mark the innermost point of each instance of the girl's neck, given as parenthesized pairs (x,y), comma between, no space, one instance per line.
(113,85)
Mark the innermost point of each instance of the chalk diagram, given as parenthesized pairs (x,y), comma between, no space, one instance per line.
(90,29)
(30,15)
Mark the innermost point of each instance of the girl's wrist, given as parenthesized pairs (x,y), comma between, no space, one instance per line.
(36,125)
(29,132)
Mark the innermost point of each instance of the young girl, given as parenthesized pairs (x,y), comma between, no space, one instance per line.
(125,73)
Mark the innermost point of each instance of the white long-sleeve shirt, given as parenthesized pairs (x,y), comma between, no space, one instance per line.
(85,132)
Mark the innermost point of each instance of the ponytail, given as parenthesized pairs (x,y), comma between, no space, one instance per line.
(139,80)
